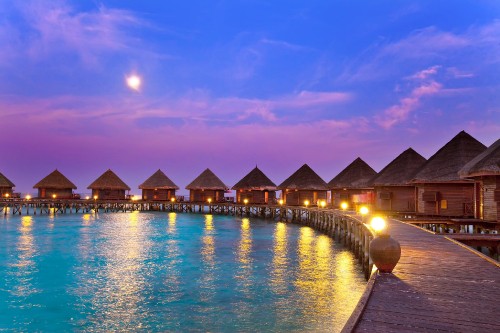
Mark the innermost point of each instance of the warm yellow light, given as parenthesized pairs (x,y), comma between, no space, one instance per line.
(378,224)
(172,199)
(344,205)
(281,202)
(245,201)
(323,204)
(7,195)
(134,82)
(135,198)
(306,203)
(28,197)
(87,197)
(364,210)
(95,197)
(53,196)
(209,200)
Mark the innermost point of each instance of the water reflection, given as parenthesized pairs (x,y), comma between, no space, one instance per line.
(25,268)
(171,290)
(207,281)
(280,259)
(118,285)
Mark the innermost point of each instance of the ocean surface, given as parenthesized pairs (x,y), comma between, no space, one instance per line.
(168,272)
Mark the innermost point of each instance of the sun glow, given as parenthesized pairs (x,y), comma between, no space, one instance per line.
(134,82)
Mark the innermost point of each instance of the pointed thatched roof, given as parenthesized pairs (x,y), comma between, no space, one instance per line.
(485,164)
(355,175)
(55,180)
(304,179)
(445,164)
(158,181)
(207,180)
(255,180)
(108,181)
(401,170)
(5,182)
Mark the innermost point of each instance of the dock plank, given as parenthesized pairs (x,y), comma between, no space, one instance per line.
(438,286)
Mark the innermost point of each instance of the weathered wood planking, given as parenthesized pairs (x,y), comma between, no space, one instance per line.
(437,286)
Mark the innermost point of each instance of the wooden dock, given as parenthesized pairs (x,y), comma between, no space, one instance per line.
(437,286)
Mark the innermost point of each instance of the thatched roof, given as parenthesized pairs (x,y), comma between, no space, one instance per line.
(158,181)
(55,180)
(355,175)
(108,181)
(255,180)
(401,170)
(445,164)
(304,179)
(5,182)
(207,180)
(485,164)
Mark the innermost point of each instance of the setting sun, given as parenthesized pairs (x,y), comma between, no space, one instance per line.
(134,82)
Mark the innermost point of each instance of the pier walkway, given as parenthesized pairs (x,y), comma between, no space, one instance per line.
(437,286)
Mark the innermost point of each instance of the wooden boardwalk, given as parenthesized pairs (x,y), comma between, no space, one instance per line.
(437,286)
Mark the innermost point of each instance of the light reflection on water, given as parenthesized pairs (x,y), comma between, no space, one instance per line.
(171,272)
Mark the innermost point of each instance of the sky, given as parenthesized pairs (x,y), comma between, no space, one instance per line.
(229,85)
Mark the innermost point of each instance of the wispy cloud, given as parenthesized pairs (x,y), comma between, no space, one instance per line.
(54,27)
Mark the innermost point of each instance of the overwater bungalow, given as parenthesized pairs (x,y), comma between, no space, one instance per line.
(6,187)
(158,187)
(303,187)
(352,186)
(393,193)
(484,169)
(109,187)
(207,187)
(55,185)
(255,188)
(440,190)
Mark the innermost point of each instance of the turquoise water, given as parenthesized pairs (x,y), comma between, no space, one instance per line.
(167,272)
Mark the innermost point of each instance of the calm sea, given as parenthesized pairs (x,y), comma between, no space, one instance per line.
(167,272)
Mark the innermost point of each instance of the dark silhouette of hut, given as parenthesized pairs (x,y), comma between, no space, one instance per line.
(109,187)
(441,192)
(206,186)
(392,191)
(158,187)
(55,185)
(6,187)
(484,169)
(352,185)
(303,185)
(255,187)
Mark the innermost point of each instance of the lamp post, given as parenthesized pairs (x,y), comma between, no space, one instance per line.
(363,211)
(306,203)
(385,251)
(344,205)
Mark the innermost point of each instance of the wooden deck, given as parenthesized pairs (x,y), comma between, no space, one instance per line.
(438,286)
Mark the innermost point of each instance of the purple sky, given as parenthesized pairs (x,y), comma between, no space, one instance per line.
(231,84)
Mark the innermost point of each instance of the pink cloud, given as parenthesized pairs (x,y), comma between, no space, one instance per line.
(426,73)
(401,111)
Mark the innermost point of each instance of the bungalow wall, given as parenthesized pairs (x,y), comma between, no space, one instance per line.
(353,196)
(158,194)
(297,198)
(104,194)
(395,198)
(204,195)
(47,193)
(489,198)
(5,190)
(256,197)
(446,199)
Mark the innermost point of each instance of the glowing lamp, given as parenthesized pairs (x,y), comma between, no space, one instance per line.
(281,202)
(209,200)
(28,197)
(306,203)
(364,210)
(344,205)
(323,204)
(245,201)
(53,196)
(95,197)
(87,197)
(378,224)
(172,199)
(7,195)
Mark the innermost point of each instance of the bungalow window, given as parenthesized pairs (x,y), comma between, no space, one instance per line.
(444,204)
